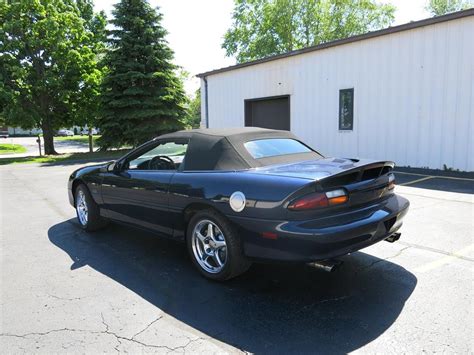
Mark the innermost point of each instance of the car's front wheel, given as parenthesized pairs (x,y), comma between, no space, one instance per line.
(214,246)
(87,211)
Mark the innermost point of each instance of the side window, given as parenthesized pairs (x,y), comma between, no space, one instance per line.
(164,156)
(346,110)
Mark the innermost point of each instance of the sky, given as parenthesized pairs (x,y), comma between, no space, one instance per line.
(196,29)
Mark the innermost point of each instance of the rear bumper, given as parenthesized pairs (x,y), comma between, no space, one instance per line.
(322,238)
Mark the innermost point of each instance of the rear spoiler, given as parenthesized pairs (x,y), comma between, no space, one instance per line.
(359,171)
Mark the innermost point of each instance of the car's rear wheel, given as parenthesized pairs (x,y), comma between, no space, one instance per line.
(214,246)
(87,211)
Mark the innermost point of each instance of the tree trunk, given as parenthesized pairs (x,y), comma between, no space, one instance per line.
(48,138)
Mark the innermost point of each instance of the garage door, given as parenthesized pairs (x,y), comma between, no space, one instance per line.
(271,112)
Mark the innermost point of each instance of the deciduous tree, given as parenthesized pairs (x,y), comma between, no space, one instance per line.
(442,7)
(87,107)
(46,59)
(193,117)
(262,28)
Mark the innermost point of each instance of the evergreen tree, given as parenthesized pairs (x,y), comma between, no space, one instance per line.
(143,96)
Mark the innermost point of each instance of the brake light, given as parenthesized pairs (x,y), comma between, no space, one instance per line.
(310,201)
(319,199)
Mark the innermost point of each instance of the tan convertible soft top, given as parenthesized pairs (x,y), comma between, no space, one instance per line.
(223,149)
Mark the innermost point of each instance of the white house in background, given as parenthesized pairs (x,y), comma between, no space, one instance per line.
(405,93)
(17,131)
(14,131)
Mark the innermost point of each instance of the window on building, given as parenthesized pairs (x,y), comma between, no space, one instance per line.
(346,110)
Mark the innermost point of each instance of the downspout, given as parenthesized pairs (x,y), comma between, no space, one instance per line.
(206,102)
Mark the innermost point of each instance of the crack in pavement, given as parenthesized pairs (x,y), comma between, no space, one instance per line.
(340,298)
(26,335)
(121,337)
(108,332)
(385,259)
(148,326)
(66,298)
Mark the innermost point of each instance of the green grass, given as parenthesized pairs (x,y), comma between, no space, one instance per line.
(11,148)
(78,139)
(66,158)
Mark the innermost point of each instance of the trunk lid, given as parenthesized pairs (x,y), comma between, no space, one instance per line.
(348,170)
(365,180)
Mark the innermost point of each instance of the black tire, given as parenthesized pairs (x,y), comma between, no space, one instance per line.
(94,221)
(236,263)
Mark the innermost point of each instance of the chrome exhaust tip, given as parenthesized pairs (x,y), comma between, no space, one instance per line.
(393,238)
(326,265)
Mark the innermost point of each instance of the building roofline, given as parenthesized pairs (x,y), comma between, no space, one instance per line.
(357,38)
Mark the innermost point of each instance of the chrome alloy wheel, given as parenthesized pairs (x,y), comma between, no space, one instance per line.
(81,207)
(209,247)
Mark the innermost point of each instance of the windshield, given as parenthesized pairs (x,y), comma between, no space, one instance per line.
(264,148)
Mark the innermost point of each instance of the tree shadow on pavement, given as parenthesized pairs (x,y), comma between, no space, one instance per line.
(269,309)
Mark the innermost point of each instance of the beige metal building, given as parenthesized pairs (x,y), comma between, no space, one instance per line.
(405,93)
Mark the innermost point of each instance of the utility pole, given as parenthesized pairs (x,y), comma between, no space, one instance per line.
(91,149)
(39,143)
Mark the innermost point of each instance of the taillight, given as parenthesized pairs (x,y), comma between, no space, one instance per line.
(314,200)
(336,197)
(319,199)
(391,182)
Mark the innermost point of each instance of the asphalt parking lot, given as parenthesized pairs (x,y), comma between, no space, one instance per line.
(122,290)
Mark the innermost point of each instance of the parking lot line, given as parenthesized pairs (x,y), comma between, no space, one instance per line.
(433,176)
(417,180)
(446,259)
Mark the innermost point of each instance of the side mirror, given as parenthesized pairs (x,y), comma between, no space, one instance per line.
(109,167)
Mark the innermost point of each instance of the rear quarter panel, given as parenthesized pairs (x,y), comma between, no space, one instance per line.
(265,194)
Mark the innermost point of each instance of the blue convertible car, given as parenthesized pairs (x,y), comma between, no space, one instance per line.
(242,195)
